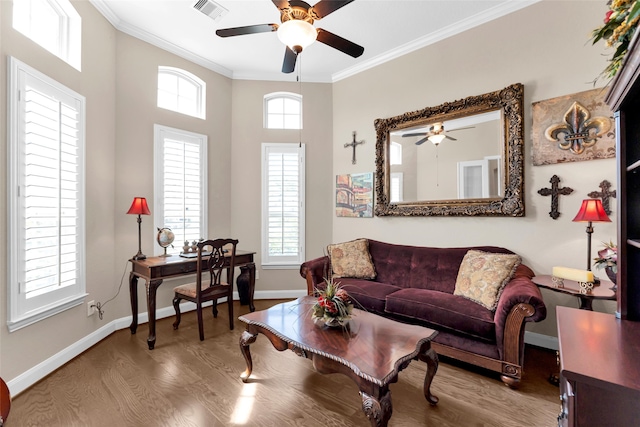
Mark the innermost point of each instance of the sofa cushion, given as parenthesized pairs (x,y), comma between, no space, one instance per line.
(482,276)
(442,309)
(352,259)
(367,295)
(420,267)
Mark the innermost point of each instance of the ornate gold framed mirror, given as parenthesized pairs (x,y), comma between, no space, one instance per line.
(461,158)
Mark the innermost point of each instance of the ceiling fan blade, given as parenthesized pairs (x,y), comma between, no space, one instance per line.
(422,141)
(325,7)
(250,29)
(468,127)
(414,134)
(448,137)
(281,4)
(289,63)
(339,43)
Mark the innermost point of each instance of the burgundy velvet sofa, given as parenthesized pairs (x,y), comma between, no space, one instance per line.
(416,285)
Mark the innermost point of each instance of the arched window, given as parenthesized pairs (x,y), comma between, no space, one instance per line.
(53,24)
(181,91)
(283,110)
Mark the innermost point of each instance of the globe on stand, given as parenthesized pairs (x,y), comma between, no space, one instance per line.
(165,239)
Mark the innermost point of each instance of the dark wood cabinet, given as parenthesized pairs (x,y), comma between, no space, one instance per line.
(624,99)
(599,369)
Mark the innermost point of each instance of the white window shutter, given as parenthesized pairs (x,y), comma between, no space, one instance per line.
(283,204)
(180,193)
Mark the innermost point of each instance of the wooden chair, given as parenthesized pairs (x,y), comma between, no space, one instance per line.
(211,260)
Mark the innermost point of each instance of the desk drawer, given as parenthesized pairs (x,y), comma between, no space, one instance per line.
(176,269)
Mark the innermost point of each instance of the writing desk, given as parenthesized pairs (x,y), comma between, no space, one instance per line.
(156,269)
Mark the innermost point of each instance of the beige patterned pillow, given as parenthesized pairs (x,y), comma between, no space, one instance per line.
(483,275)
(352,259)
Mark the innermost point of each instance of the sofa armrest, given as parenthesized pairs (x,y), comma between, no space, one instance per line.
(314,271)
(521,301)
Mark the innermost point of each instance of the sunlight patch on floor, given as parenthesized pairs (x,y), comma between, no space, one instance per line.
(244,404)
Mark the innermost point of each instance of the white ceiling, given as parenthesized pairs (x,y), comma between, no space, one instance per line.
(386,30)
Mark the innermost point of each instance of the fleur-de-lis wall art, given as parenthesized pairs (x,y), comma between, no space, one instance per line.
(578,130)
(572,128)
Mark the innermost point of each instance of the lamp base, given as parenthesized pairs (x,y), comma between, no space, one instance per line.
(139,256)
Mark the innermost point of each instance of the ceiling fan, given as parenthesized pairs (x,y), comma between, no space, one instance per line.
(435,134)
(296,29)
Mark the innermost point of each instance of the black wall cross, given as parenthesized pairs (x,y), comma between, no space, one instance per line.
(554,192)
(353,144)
(605,194)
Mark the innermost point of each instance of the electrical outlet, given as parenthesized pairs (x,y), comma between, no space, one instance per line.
(91,308)
(257,275)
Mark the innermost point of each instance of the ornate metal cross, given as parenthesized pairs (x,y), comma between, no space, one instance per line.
(605,194)
(554,192)
(353,144)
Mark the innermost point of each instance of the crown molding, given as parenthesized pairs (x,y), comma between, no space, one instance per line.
(159,42)
(444,33)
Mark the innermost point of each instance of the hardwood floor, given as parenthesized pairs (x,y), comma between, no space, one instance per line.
(186,382)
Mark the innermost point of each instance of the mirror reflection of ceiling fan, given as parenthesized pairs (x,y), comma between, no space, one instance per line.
(296,30)
(435,134)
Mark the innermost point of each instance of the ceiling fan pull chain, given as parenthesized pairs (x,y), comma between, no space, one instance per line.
(437,170)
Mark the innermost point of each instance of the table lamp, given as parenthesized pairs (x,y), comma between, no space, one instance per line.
(591,211)
(139,207)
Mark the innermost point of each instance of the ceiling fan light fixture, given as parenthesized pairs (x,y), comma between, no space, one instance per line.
(436,139)
(296,33)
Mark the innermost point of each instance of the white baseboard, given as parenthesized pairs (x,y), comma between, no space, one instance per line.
(41,370)
(539,340)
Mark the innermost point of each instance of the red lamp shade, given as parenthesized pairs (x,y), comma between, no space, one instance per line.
(591,211)
(139,207)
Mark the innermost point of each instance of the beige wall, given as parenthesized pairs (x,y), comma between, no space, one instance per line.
(31,345)
(247,135)
(546,47)
(136,113)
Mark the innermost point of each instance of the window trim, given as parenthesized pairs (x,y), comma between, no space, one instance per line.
(279,95)
(266,263)
(69,47)
(158,182)
(56,301)
(200,85)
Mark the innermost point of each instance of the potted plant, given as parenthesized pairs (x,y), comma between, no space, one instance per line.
(333,306)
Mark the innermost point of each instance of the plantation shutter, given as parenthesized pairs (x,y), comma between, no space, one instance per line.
(50,193)
(181,185)
(45,196)
(283,199)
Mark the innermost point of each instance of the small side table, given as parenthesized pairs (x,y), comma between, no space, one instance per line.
(571,287)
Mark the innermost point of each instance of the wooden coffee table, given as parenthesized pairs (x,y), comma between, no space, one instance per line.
(371,351)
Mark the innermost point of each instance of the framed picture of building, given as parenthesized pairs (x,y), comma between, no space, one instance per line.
(354,195)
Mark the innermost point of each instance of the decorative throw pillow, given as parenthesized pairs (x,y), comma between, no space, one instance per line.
(352,259)
(483,275)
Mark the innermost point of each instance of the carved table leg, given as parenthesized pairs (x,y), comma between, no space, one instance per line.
(247,339)
(152,287)
(377,411)
(133,295)
(431,358)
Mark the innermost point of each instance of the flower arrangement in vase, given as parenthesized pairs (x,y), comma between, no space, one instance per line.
(608,259)
(333,306)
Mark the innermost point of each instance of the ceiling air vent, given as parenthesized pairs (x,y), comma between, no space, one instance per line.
(211,9)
